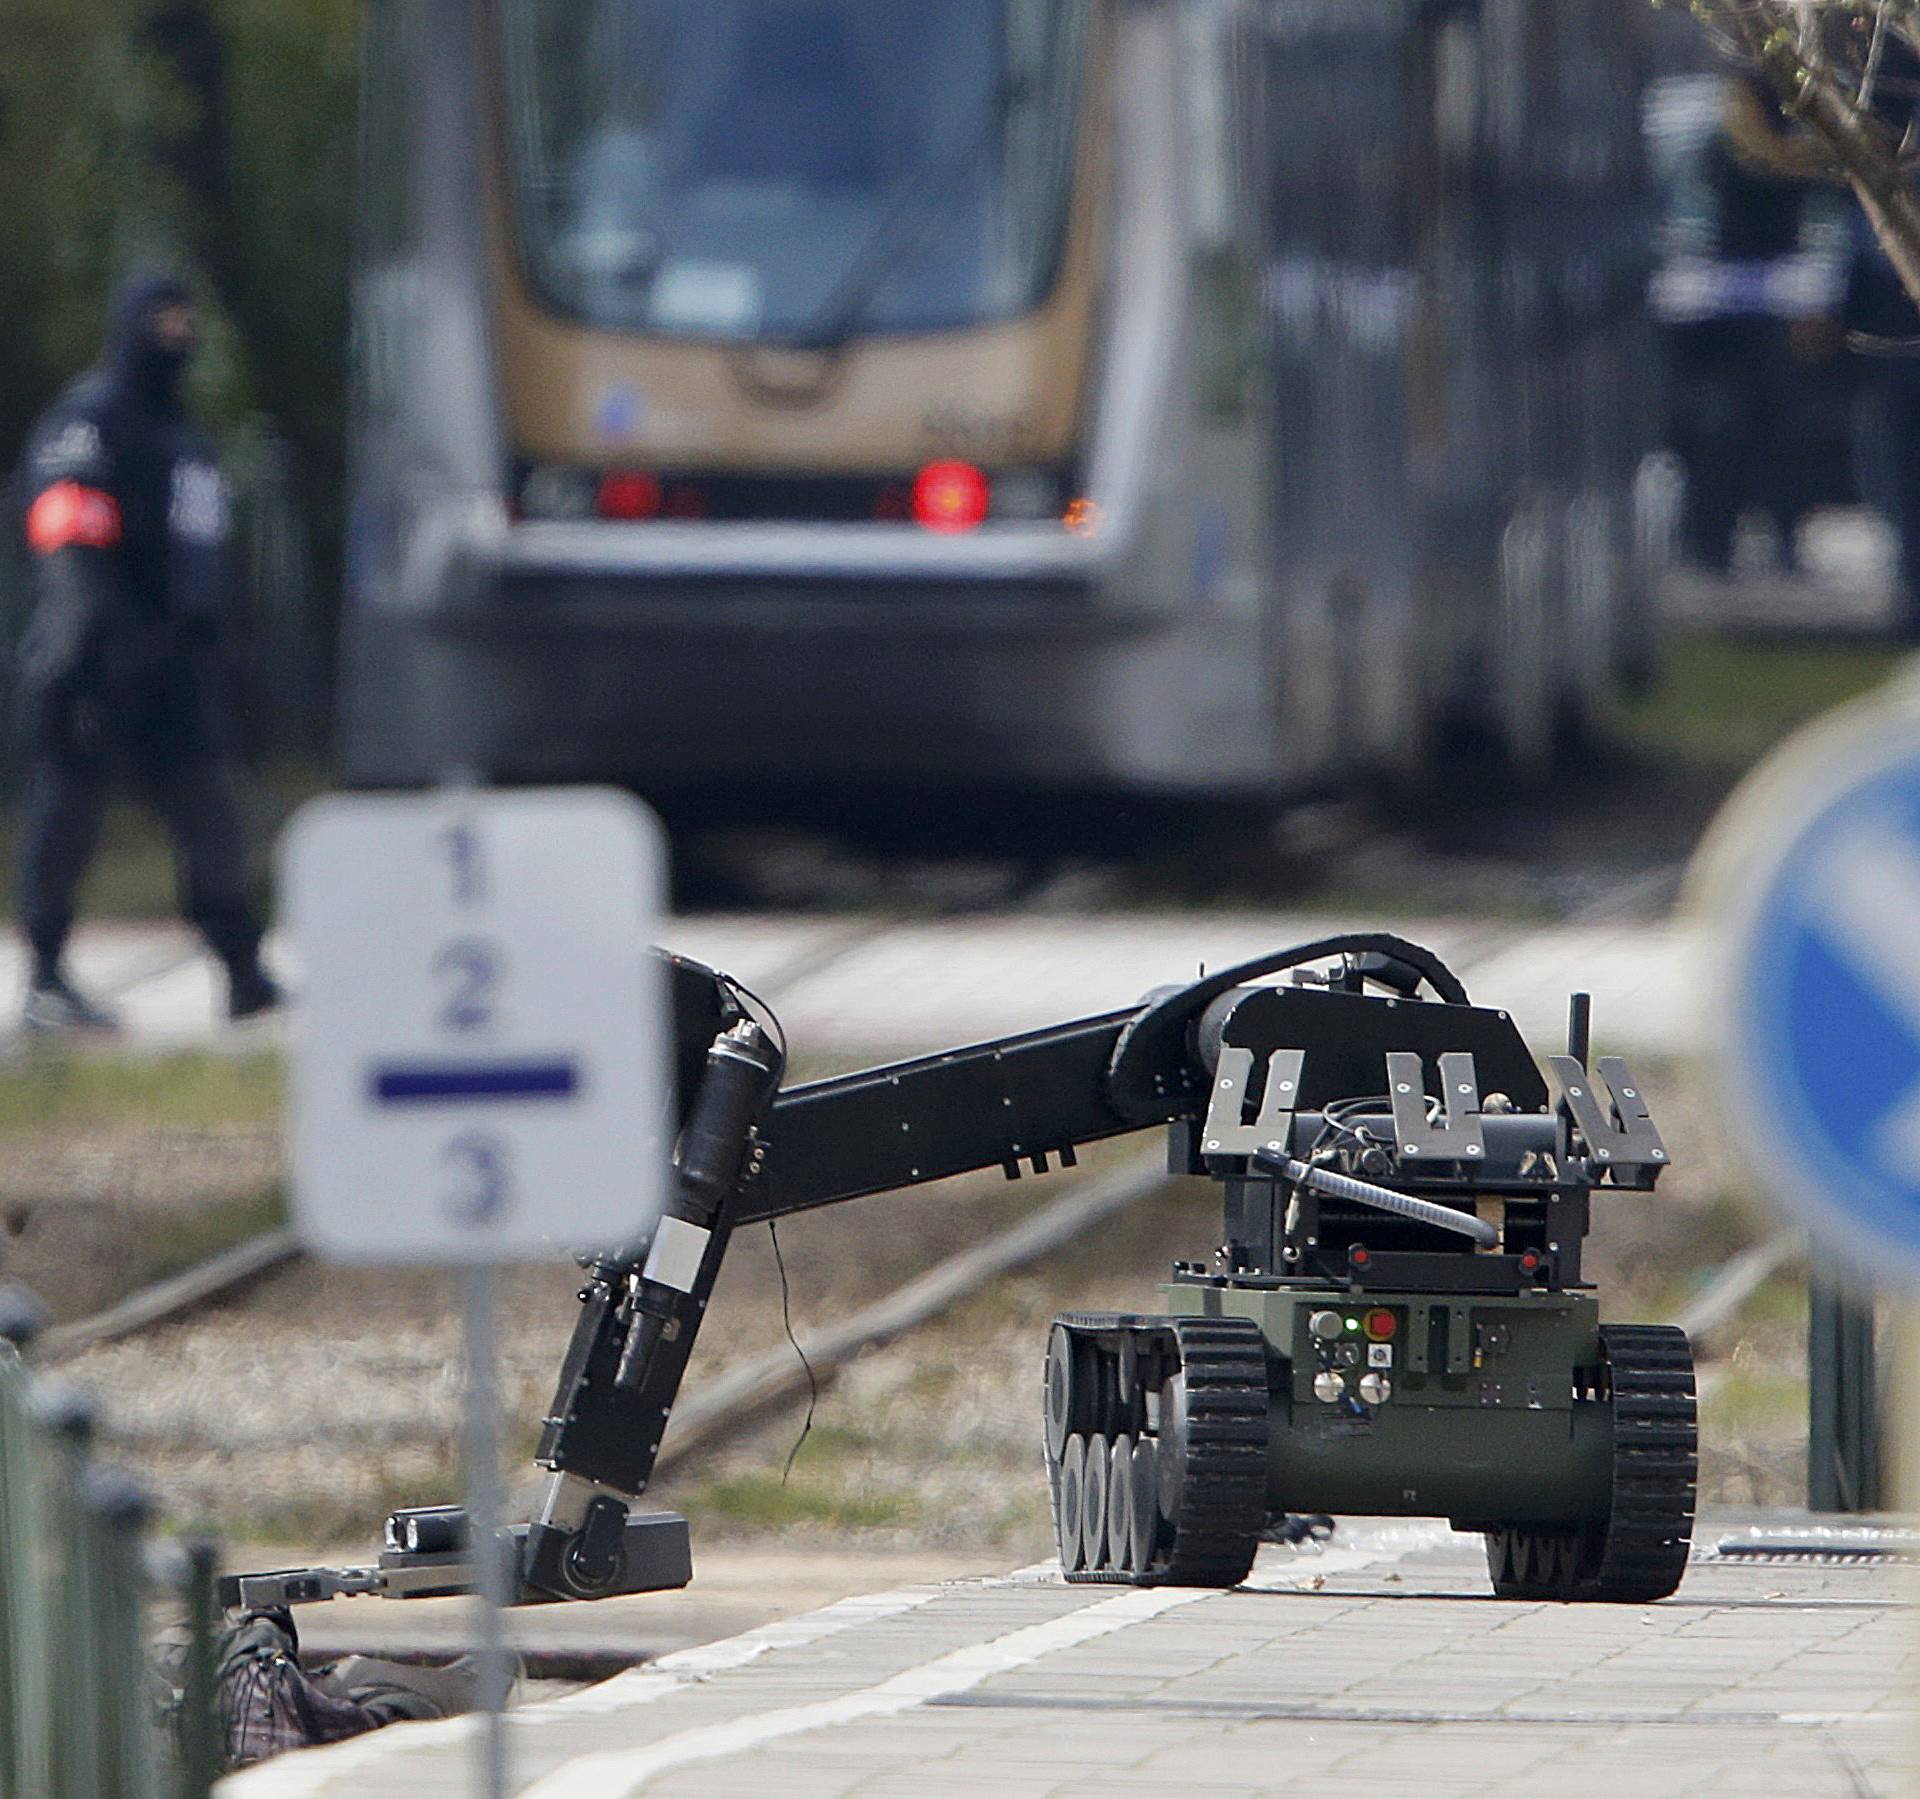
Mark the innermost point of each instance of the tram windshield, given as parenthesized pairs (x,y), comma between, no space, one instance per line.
(793,170)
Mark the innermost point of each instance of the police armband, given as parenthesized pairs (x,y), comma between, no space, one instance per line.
(68,515)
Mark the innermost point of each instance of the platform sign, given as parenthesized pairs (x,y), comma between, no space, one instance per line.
(478,1049)
(1817,987)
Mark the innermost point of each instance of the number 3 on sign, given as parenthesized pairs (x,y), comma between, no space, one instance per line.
(482,1189)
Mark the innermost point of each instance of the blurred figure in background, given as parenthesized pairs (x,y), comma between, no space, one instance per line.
(1883,329)
(1753,262)
(1887,445)
(127,519)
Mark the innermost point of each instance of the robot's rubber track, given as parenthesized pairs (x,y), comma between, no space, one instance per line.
(1223,1492)
(1639,1554)
(1655,1464)
(1219,1495)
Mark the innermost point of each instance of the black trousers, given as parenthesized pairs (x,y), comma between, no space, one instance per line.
(1887,442)
(1738,417)
(164,741)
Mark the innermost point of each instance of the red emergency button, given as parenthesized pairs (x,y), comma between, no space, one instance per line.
(1380,1324)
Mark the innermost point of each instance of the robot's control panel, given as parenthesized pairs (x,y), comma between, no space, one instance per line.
(1351,1355)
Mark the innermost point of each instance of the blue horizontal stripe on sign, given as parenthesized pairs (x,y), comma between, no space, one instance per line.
(428,1083)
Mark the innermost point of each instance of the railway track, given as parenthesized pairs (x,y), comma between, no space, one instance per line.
(747,1393)
(234,1267)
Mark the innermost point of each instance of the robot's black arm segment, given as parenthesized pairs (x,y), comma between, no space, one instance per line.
(1018,1099)
(1155,1040)
(1030,1097)
(1040,1095)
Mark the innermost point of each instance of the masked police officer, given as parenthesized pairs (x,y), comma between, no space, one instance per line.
(127,525)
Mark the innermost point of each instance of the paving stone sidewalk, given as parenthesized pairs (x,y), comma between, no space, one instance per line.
(1380,1666)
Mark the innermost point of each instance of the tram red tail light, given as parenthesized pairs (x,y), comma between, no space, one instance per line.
(628,494)
(950,496)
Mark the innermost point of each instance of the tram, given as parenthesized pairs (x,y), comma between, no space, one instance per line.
(1172,396)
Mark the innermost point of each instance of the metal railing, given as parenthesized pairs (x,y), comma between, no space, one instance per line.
(79,1715)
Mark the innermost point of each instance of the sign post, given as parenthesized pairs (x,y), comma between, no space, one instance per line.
(479,1064)
(480,1451)
(1844,1463)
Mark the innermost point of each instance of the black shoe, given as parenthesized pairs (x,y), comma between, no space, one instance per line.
(251,991)
(55,1004)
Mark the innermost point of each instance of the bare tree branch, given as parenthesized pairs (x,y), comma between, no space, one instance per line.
(1825,59)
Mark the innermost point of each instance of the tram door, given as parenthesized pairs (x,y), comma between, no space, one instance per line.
(1342,304)
(1456,269)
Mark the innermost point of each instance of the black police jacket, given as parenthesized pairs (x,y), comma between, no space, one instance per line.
(127,520)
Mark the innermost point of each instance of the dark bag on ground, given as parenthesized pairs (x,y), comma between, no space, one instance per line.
(268,1703)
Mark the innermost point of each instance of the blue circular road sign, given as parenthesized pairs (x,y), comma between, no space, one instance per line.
(1820,1013)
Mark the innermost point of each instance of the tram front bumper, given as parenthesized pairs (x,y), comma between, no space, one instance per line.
(669,653)
(666,580)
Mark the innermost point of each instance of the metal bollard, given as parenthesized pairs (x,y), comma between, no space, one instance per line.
(22,1770)
(200,1744)
(27,1687)
(117,1509)
(67,1563)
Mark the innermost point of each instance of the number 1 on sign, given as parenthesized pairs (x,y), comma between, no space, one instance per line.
(463,853)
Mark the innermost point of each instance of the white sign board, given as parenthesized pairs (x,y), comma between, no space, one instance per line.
(479,1047)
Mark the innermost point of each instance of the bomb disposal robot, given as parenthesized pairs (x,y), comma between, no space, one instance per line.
(1395,1320)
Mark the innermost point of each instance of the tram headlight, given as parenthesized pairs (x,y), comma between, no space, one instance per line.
(551,490)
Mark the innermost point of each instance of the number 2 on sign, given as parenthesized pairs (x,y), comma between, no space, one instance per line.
(472,967)
(482,1190)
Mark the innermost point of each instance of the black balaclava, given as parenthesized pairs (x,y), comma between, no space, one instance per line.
(149,368)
